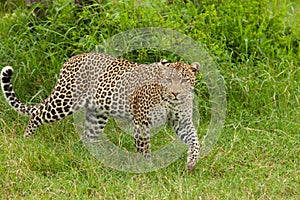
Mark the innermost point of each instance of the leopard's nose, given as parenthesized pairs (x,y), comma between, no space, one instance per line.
(175,94)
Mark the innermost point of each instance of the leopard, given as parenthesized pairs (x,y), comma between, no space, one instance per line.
(105,86)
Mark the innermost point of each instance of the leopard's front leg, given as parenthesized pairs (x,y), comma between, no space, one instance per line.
(186,131)
(193,153)
(142,139)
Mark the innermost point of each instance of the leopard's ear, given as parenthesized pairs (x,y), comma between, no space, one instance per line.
(195,67)
(164,61)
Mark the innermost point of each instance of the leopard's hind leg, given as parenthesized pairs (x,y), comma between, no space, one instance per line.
(95,122)
(52,109)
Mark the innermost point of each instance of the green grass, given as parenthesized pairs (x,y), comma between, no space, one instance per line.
(256,46)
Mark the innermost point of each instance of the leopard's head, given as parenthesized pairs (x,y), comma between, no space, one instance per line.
(179,78)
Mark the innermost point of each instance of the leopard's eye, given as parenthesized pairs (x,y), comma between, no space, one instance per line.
(168,78)
(185,80)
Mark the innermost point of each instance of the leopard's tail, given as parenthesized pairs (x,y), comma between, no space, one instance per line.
(9,93)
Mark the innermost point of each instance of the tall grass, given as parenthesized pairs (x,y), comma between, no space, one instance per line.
(256,46)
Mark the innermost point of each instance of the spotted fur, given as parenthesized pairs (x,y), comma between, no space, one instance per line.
(105,86)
